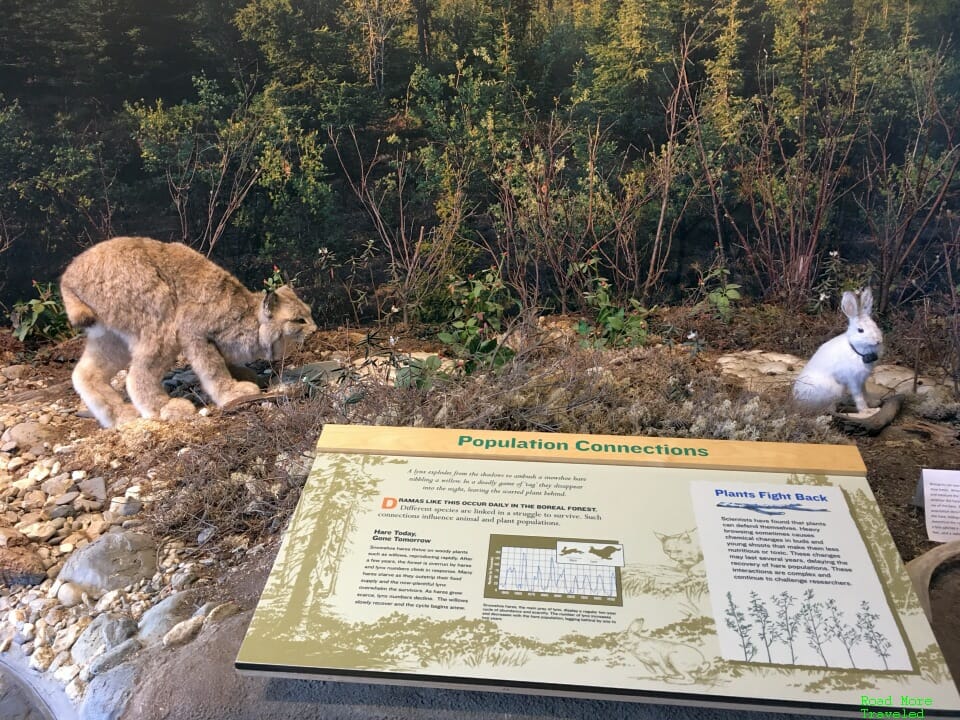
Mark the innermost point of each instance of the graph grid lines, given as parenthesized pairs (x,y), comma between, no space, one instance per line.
(536,570)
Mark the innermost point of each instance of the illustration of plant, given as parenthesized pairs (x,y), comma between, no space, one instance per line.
(766,628)
(873,528)
(814,626)
(848,635)
(931,665)
(867,624)
(822,623)
(786,624)
(737,621)
(884,553)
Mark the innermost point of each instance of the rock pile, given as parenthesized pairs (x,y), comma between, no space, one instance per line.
(759,370)
(82,590)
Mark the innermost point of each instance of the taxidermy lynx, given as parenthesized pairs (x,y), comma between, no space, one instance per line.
(142,302)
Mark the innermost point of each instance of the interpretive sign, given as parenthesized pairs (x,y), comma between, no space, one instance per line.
(941,492)
(735,574)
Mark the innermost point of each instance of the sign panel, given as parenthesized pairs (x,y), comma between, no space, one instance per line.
(941,492)
(737,574)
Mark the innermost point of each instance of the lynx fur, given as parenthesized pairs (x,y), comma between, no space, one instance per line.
(142,302)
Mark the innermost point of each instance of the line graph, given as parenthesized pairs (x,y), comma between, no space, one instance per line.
(528,568)
(537,570)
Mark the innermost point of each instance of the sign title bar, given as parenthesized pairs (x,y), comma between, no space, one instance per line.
(593,449)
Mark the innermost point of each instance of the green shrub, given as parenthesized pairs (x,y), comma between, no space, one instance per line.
(43,317)
(476,318)
(615,326)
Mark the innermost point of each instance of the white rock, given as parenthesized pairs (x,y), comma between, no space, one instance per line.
(70,594)
(183,632)
(183,578)
(67,637)
(75,690)
(108,601)
(44,633)
(222,612)
(38,473)
(40,531)
(65,673)
(24,482)
(125,506)
(41,658)
(60,659)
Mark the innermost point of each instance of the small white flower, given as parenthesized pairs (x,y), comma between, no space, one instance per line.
(834,253)
(392,341)
(692,335)
(823,297)
(394,309)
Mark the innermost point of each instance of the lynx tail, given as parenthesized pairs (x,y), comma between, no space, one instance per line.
(80,314)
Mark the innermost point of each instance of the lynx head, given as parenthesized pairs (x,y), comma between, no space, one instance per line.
(681,548)
(285,322)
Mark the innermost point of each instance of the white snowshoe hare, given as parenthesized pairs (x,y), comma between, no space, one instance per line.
(843,364)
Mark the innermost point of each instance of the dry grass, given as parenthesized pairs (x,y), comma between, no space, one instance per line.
(642,391)
(233,479)
(221,478)
(767,327)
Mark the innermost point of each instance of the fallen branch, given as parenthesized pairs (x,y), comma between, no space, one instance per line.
(872,424)
(921,571)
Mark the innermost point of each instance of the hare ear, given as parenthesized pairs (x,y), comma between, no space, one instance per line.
(849,305)
(866,301)
(659,536)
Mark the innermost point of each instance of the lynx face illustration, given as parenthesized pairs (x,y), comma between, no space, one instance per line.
(681,548)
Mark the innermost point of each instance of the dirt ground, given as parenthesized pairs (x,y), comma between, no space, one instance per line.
(893,459)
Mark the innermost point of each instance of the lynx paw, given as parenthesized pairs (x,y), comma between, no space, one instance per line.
(127,413)
(177,409)
(237,391)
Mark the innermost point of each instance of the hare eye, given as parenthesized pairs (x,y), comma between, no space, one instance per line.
(301,321)
(859,330)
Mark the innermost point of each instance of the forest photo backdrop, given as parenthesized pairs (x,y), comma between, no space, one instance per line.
(579,154)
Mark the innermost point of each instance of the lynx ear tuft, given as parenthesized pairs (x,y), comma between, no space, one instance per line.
(269,304)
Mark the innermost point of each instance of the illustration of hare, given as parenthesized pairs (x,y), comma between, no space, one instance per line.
(843,364)
(666,660)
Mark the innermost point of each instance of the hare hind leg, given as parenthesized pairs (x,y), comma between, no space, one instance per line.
(103,357)
(818,392)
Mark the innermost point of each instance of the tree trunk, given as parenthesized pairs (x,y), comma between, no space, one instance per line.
(422,10)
